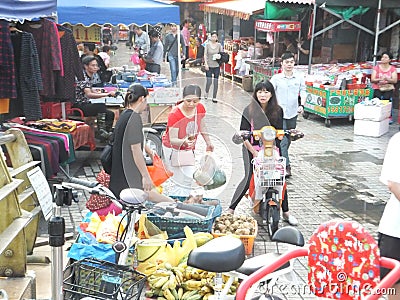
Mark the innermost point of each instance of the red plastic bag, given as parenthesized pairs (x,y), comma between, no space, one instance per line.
(158,172)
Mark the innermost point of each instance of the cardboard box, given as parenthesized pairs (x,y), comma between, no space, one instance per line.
(159,113)
(371,128)
(372,112)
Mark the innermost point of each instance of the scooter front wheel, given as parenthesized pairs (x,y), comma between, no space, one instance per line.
(272,214)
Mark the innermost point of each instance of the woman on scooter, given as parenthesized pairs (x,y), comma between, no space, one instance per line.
(185,122)
(264,110)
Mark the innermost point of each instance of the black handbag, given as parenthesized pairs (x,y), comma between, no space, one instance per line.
(224,58)
(106,158)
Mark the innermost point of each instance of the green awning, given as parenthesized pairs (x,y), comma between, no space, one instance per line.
(349,12)
(282,11)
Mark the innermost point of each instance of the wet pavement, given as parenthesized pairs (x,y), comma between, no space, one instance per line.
(335,173)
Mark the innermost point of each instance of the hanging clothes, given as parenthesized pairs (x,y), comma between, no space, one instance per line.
(45,34)
(7,68)
(28,77)
(65,85)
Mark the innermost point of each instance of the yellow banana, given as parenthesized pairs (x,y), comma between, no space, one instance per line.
(160,282)
(162,272)
(174,293)
(192,285)
(165,285)
(179,276)
(195,297)
(188,294)
(168,295)
(172,282)
(206,296)
(180,293)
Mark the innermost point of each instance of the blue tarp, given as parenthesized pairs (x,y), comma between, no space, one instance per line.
(140,12)
(20,10)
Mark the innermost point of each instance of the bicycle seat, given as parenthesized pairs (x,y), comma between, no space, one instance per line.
(219,255)
(251,265)
(289,235)
(132,197)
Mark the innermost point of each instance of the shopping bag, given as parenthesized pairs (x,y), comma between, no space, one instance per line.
(148,230)
(97,202)
(180,158)
(205,172)
(158,172)
(219,179)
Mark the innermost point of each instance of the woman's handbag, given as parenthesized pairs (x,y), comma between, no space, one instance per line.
(180,158)
(106,158)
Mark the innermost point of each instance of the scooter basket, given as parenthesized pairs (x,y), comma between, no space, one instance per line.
(100,279)
(269,172)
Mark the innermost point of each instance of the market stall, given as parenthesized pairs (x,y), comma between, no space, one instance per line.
(264,69)
(333,90)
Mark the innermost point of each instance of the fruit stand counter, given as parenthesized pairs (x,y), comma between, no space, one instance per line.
(262,71)
(331,104)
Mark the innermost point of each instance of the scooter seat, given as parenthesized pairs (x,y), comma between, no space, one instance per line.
(253,264)
(221,254)
(132,197)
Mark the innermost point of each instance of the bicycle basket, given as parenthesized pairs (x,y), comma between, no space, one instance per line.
(100,279)
(269,172)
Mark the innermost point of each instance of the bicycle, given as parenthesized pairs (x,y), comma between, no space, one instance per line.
(343,263)
(98,279)
(269,170)
(226,256)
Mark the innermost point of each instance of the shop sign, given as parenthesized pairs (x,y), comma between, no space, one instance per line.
(277,26)
(343,109)
(358,92)
(319,109)
(316,91)
(90,34)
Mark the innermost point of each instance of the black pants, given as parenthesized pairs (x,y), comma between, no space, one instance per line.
(154,68)
(93,109)
(212,71)
(389,247)
(245,183)
(187,56)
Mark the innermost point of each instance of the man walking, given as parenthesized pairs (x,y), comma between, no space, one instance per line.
(288,87)
(171,51)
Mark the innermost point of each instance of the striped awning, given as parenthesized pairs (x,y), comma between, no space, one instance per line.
(294,1)
(242,9)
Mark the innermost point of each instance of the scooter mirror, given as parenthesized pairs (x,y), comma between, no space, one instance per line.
(237,139)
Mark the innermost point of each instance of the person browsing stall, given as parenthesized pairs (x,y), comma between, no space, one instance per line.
(211,55)
(264,110)
(154,57)
(289,85)
(185,123)
(199,54)
(142,40)
(128,163)
(84,92)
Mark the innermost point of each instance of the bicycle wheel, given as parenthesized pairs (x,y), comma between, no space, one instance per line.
(272,219)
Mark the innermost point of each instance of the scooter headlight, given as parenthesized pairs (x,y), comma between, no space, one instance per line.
(268,134)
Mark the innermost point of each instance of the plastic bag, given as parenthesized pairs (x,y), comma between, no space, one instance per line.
(107,231)
(205,173)
(219,179)
(148,230)
(135,59)
(158,172)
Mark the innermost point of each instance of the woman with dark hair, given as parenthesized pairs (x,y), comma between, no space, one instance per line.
(199,54)
(211,55)
(264,110)
(384,78)
(128,164)
(84,92)
(185,122)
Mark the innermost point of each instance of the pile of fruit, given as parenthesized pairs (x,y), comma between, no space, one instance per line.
(182,282)
(239,225)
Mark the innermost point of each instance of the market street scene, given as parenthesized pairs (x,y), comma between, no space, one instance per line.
(200,149)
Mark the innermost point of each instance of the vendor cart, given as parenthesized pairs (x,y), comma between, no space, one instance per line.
(266,68)
(333,103)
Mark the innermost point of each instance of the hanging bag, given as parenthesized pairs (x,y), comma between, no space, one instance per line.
(158,172)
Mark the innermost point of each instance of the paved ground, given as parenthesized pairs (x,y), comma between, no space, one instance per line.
(335,173)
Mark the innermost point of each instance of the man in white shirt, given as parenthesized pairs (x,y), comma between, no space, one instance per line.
(288,87)
(389,226)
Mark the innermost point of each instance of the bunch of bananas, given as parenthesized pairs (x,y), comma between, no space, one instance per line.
(183,283)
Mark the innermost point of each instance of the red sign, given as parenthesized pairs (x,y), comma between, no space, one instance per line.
(277,26)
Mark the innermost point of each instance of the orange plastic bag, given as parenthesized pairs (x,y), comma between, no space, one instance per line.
(158,172)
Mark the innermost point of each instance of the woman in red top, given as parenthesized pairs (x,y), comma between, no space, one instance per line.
(185,122)
(383,78)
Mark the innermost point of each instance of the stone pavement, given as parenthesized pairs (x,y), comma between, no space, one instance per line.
(335,173)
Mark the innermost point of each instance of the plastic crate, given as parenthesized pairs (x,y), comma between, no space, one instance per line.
(174,226)
(247,240)
(100,279)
